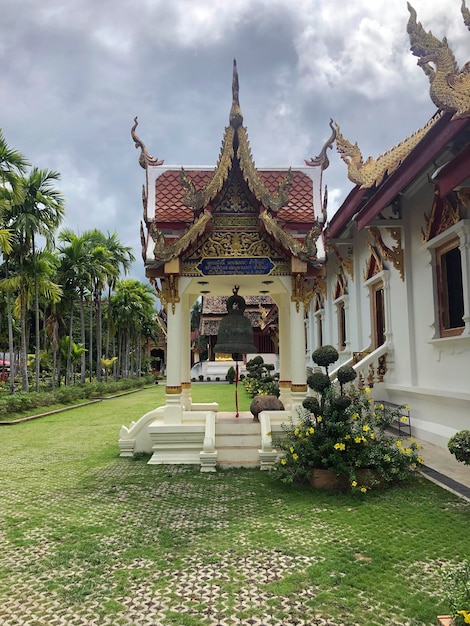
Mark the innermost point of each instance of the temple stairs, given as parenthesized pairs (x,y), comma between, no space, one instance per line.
(238,440)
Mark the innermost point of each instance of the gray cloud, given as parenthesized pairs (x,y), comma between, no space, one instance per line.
(75,73)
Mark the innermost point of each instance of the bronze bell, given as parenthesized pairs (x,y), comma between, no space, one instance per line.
(235,334)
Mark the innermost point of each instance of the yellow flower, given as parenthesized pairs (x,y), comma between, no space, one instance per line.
(355,416)
(296,431)
(408,451)
(319,418)
(283,461)
(407,407)
(388,458)
(347,437)
(419,446)
(357,439)
(365,428)
(340,446)
(295,457)
(363,489)
(381,406)
(268,434)
(466,616)
(399,444)
(420,460)
(412,440)
(354,483)
(372,436)
(403,418)
(367,389)
(291,449)
(311,430)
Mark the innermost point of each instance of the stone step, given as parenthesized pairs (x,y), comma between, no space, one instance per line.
(237,456)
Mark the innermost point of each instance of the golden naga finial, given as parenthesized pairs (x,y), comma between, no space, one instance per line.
(145,158)
(236,117)
(372,171)
(449,87)
(322,159)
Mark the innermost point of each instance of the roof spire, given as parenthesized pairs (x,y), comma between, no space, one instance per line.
(236,117)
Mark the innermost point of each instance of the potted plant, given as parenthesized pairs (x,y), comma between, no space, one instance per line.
(456,583)
(341,433)
(459,446)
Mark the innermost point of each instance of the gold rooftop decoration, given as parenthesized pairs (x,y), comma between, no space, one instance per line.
(449,86)
(145,159)
(372,171)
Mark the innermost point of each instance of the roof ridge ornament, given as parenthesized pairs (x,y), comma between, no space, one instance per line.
(449,86)
(322,159)
(145,159)
(236,116)
(372,171)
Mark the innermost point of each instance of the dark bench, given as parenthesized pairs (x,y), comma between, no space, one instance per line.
(403,426)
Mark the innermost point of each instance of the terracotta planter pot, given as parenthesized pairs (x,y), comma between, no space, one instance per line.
(329,479)
(444,620)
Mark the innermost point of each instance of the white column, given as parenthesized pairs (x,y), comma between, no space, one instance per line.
(285,379)
(297,351)
(173,408)
(185,347)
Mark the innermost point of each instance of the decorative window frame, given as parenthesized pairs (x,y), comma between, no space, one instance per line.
(459,232)
(343,330)
(370,284)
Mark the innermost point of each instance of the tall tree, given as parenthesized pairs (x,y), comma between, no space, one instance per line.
(12,164)
(38,214)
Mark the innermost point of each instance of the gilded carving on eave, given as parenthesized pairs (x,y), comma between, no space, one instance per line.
(371,172)
(449,86)
(273,201)
(444,214)
(306,251)
(301,293)
(164,251)
(145,159)
(394,254)
(347,263)
(198,199)
(340,288)
(168,293)
(374,263)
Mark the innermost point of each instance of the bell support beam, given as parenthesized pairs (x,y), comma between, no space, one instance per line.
(173,407)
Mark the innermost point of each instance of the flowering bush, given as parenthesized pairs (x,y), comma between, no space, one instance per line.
(344,431)
(456,582)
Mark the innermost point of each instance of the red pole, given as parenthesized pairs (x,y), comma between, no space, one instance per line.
(236,389)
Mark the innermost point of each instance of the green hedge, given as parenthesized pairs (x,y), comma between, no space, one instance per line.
(22,402)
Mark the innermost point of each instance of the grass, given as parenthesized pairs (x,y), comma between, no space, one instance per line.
(88,537)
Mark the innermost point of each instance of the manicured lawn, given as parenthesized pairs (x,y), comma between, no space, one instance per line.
(89,538)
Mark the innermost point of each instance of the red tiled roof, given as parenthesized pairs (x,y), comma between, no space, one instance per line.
(170,207)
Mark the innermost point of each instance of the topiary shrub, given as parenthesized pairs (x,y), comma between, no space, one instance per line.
(318,381)
(459,446)
(325,356)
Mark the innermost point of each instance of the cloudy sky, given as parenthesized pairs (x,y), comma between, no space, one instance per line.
(75,73)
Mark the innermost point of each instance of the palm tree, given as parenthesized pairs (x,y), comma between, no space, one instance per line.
(33,279)
(121,260)
(75,272)
(12,164)
(39,213)
(133,312)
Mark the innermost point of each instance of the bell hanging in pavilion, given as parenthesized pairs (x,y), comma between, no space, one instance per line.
(235,334)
